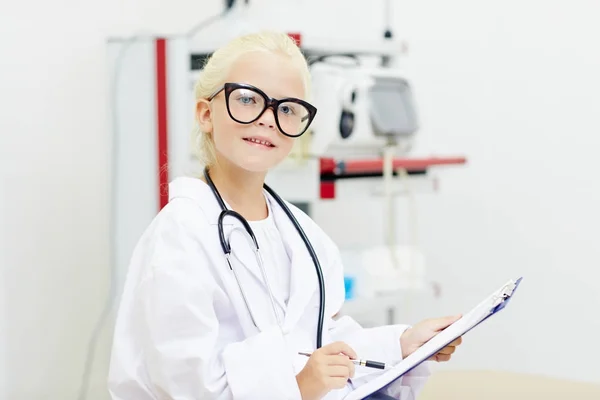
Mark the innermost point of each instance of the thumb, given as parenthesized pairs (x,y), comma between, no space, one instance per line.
(442,323)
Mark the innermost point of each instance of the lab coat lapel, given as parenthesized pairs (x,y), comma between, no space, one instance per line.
(303,277)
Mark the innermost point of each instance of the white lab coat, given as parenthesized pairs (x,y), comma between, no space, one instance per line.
(183,330)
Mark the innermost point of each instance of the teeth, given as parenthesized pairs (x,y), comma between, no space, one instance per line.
(265,143)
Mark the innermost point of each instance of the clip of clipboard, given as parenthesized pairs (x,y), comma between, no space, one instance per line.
(493,304)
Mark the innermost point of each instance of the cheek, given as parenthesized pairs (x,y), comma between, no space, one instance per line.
(287,144)
(225,130)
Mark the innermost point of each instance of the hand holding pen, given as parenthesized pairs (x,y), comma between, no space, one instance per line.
(327,368)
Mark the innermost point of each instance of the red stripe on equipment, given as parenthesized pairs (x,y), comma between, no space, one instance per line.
(410,164)
(328,190)
(327,165)
(161,112)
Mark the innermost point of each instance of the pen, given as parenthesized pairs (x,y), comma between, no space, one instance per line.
(364,363)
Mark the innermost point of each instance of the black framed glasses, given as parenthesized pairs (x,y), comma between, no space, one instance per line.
(246,103)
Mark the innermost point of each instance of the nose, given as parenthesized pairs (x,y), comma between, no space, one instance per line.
(267,118)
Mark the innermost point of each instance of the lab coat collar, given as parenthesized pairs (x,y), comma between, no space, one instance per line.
(303,277)
(195,189)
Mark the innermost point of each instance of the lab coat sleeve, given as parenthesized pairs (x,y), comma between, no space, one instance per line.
(179,329)
(378,343)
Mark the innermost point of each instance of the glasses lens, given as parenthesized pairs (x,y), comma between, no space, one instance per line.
(293,118)
(245,104)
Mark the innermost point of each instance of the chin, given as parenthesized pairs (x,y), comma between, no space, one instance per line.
(262,166)
(257,163)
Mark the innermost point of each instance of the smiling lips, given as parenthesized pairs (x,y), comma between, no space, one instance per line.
(260,142)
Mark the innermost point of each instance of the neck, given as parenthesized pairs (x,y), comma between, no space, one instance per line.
(241,189)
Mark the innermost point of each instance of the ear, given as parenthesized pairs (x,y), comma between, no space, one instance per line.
(204,116)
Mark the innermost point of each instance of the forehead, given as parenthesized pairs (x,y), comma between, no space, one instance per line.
(274,74)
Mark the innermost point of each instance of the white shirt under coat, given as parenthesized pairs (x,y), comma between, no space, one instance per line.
(183,330)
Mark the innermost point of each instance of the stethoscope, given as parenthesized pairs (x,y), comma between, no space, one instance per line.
(227,250)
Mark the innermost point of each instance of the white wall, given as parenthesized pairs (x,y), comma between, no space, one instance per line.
(525,78)
(511,85)
(3,317)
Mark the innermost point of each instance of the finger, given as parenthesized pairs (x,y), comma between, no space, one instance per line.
(339,347)
(442,357)
(337,383)
(338,359)
(351,369)
(439,324)
(456,342)
(341,360)
(447,350)
(338,371)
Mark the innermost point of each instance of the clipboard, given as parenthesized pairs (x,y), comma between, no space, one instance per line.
(491,305)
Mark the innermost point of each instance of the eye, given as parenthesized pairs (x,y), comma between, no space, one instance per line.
(287,109)
(246,99)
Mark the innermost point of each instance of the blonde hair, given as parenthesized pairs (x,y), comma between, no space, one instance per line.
(217,67)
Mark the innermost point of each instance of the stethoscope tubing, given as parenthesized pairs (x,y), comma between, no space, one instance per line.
(227,250)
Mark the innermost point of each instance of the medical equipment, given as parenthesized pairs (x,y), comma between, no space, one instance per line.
(368,108)
(227,250)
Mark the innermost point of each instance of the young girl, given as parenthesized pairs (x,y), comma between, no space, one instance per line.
(195,324)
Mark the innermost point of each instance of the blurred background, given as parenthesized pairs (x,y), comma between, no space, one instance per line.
(493,172)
